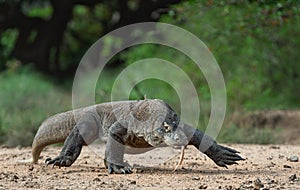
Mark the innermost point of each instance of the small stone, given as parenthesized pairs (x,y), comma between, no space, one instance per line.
(15,177)
(229,187)
(287,166)
(97,179)
(31,168)
(272,164)
(102,174)
(195,178)
(293,159)
(274,147)
(203,186)
(293,177)
(133,182)
(280,156)
(258,184)
(270,181)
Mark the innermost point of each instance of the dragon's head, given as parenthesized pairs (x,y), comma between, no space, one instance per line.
(162,124)
(168,132)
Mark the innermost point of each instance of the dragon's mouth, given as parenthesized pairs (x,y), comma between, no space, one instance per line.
(155,141)
(177,138)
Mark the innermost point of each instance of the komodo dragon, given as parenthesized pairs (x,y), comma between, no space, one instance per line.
(142,124)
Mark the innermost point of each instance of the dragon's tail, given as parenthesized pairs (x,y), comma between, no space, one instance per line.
(53,130)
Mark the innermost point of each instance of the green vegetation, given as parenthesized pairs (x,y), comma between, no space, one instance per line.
(256,44)
(26,99)
(248,135)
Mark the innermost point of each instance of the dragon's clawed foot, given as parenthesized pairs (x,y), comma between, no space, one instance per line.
(117,169)
(223,156)
(60,161)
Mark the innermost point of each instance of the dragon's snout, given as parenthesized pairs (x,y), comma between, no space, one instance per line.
(176,138)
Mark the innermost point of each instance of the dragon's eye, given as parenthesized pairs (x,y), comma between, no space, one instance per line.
(167,127)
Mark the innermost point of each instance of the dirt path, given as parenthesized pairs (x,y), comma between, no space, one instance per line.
(266,167)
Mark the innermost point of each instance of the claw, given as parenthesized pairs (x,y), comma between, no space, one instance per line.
(229,149)
(60,163)
(118,169)
(110,170)
(129,170)
(222,164)
(233,158)
(47,160)
(230,162)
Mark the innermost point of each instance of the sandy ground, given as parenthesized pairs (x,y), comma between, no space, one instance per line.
(266,167)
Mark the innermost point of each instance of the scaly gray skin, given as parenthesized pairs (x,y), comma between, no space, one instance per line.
(142,125)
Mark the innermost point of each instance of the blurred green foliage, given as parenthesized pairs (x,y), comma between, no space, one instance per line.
(256,44)
(42,10)
(248,135)
(7,42)
(26,99)
(83,28)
